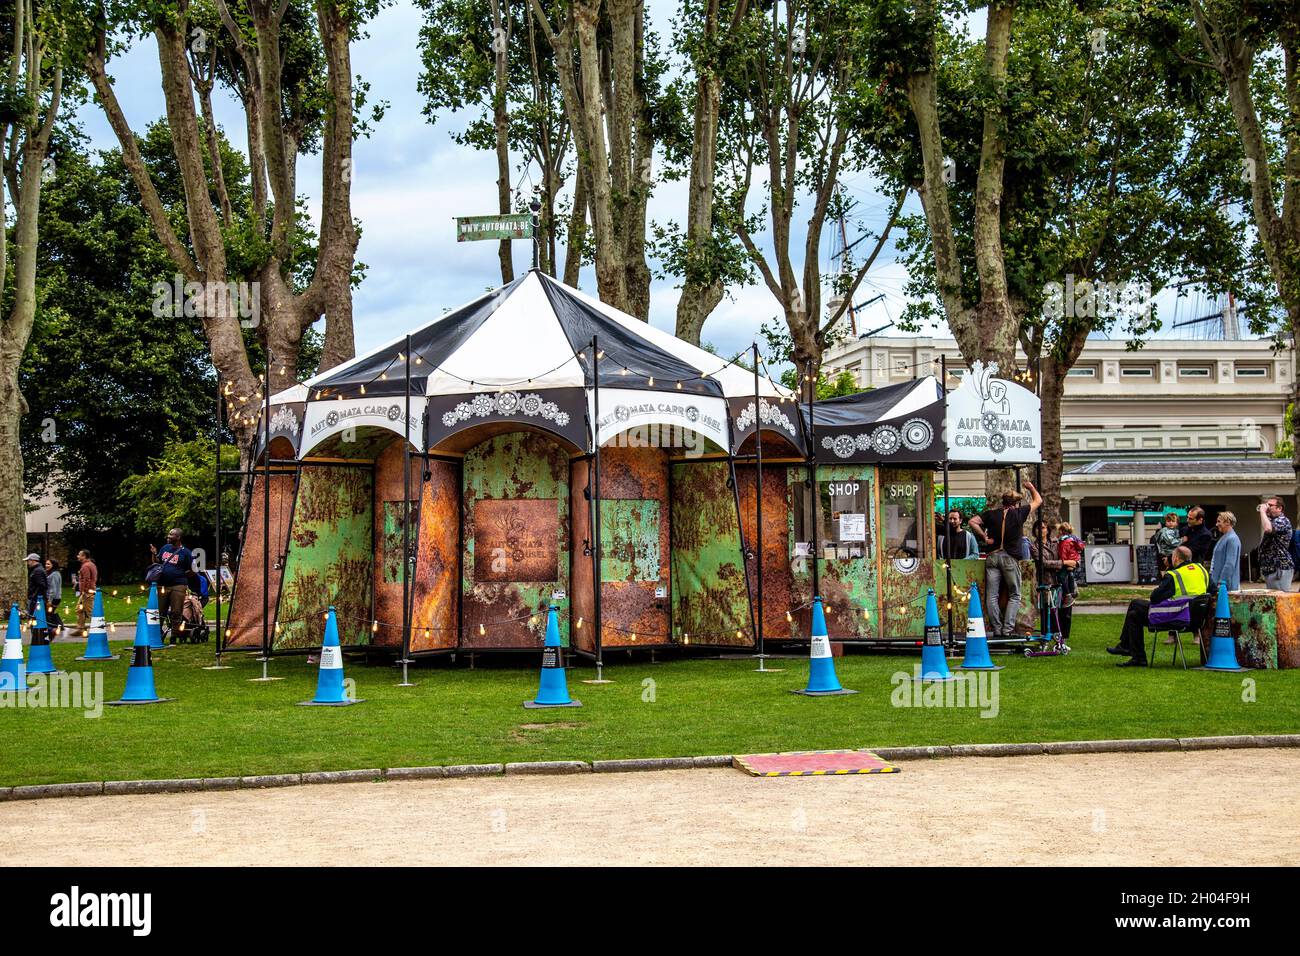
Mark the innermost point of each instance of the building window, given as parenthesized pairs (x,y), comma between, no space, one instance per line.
(1193,371)
(1252,371)
(1082,371)
(1137,371)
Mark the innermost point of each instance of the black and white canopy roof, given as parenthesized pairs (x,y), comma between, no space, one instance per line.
(523,353)
(900,423)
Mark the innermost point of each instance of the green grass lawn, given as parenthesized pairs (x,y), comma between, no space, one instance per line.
(1119,593)
(223,725)
(121,607)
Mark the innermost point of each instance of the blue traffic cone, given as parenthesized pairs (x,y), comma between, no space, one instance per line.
(39,660)
(97,637)
(13,672)
(934,662)
(977,643)
(553,689)
(151,616)
(1223,647)
(822,681)
(330,690)
(140,687)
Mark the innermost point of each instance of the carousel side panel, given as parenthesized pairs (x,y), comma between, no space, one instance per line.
(778,580)
(907,552)
(846,529)
(634,531)
(244,626)
(331,558)
(968,571)
(710,600)
(435,606)
(516,521)
(582,606)
(389,518)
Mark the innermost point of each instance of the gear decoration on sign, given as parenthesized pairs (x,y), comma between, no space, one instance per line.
(530,405)
(997,443)
(917,434)
(842,445)
(394,412)
(906,565)
(989,422)
(886,440)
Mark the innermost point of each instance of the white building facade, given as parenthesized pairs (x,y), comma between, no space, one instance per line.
(1178,421)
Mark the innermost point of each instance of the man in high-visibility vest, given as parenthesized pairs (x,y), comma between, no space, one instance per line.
(1184,580)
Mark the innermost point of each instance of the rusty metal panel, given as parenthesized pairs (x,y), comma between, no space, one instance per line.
(848,584)
(528,473)
(389,516)
(968,571)
(1266,626)
(331,558)
(435,606)
(778,580)
(635,536)
(710,599)
(245,621)
(906,574)
(582,607)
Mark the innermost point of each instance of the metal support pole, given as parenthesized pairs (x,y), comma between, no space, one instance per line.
(406,525)
(815,496)
(758,510)
(947,529)
(595,512)
(266,522)
(218,666)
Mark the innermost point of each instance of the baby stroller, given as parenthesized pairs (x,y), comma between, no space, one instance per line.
(193,628)
(1050,643)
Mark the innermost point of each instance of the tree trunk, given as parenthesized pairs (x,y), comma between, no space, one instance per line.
(501,125)
(1051,383)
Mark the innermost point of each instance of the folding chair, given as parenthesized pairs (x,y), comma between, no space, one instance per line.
(1198,608)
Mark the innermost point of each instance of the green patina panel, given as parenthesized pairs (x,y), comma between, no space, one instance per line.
(394,519)
(968,571)
(516,527)
(848,582)
(629,529)
(710,597)
(906,541)
(330,559)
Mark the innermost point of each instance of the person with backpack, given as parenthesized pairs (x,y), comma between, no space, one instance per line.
(1275,561)
(1003,530)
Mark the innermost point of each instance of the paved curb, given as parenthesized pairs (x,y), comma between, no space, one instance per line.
(1053,748)
(152,786)
(650,763)
(548,767)
(56,790)
(344,776)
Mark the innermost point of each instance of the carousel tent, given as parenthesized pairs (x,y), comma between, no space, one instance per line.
(524,353)
(537,420)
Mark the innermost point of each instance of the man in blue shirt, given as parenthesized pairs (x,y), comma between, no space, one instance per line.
(174,581)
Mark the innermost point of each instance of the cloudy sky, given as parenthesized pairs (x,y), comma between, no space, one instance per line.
(411,179)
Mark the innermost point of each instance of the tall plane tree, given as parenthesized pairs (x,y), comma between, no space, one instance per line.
(289,63)
(34,41)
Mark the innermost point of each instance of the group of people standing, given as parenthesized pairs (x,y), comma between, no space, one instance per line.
(45,582)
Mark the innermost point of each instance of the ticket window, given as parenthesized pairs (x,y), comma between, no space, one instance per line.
(845,525)
(902,517)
